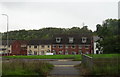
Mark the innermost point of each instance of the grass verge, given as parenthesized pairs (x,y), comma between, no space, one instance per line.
(25,68)
(75,57)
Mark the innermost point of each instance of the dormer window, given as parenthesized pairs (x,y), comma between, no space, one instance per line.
(58,39)
(70,39)
(84,39)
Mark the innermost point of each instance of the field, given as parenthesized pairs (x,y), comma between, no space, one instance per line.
(22,68)
(74,57)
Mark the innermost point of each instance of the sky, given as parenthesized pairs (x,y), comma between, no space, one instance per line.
(51,13)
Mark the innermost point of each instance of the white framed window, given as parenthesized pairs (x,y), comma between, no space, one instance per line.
(80,46)
(84,39)
(42,46)
(54,46)
(71,39)
(58,39)
(87,46)
(35,46)
(60,46)
(73,46)
(67,46)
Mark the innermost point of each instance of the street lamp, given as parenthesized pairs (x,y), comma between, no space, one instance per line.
(7,29)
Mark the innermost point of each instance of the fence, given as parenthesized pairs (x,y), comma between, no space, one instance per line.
(91,62)
(87,61)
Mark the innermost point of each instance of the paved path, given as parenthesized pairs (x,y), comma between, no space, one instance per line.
(64,68)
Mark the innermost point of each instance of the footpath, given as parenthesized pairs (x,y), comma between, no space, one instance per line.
(64,68)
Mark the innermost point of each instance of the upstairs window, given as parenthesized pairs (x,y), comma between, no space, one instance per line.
(60,46)
(73,46)
(54,46)
(42,46)
(35,46)
(48,46)
(84,39)
(29,46)
(58,40)
(70,39)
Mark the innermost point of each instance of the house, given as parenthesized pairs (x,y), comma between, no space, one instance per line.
(97,49)
(4,46)
(72,44)
(19,47)
(38,47)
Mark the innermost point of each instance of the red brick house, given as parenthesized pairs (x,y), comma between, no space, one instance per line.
(72,44)
(19,47)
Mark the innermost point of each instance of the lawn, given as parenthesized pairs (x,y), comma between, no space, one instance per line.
(75,57)
(104,55)
(103,64)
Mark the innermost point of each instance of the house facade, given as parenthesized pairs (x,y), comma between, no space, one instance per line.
(39,47)
(59,44)
(4,48)
(72,44)
(19,47)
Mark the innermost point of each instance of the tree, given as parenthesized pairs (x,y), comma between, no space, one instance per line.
(109,32)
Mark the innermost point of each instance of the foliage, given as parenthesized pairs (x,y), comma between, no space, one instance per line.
(21,67)
(109,32)
(44,33)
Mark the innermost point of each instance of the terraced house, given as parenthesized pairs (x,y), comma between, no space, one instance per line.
(72,44)
(59,44)
(4,48)
(38,47)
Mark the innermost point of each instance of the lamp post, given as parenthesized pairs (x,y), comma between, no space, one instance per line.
(7,30)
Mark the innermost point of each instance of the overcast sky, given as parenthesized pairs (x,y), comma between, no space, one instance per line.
(62,14)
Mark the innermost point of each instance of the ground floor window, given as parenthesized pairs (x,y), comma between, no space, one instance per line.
(74,53)
(66,52)
(35,52)
(80,52)
(30,52)
(60,52)
(54,53)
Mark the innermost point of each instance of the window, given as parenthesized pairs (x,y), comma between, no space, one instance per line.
(23,45)
(9,46)
(87,46)
(58,39)
(70,39)
(80,46)
(42,46)
(73,46)
(54,46)
(48,46)
(80,51)
(29,46)
(84,39)
(67,46)
(60,46)
(60,52)
(35,46)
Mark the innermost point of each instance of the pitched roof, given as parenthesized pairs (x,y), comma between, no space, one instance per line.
(77,38)
(4,42)
(39,42)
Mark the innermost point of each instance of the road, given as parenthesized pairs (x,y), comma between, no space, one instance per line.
(64,68)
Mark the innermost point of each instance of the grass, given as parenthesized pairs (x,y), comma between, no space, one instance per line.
(104,55)
(103,65)
(75,57)
(25,68)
